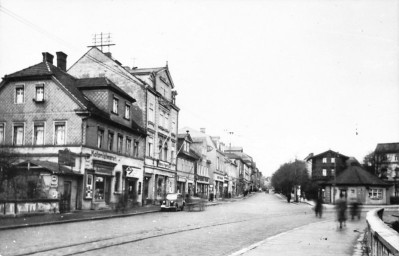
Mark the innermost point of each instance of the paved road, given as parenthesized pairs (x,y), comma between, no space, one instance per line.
(219,230)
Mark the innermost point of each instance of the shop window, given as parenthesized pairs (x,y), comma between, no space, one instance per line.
(117,182)
(100,188)
(89,186)
(59,133)
(38,134)
(18,134)
(100,137)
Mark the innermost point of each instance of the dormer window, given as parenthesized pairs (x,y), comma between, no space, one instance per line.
(186,146)
(115,104)
(127,111)
(39,96)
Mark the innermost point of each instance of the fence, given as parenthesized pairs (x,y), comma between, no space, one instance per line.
(20,207)
(381,239)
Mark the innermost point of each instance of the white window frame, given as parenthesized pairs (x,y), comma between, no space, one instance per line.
(127,111)
(324,160)
(324,172)
(150,147)
(102,130)
(17,87)
(3,136)
(110,146)
(38,87)
(55,135)
(18,124)
(115,106)
(376,193)
(333,160)
(128,146)
(151,112)
(119,143)
(36,124)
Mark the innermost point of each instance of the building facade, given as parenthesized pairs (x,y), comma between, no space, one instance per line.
(155,110)
(78,134)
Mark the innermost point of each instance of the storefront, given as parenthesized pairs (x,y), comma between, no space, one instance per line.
(219,181)
(110,180)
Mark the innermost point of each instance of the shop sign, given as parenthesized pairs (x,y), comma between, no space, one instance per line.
(103,155)
(54,181)
(163,164)
(219,178)
(66,157)
(132,171)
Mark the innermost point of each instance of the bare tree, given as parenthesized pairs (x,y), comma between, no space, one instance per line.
(8,159)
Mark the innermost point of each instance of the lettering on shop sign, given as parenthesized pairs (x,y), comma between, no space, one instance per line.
(102,155)
(219,177)
(132,171)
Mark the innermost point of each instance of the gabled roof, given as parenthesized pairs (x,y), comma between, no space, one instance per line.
(387,148)
(334,153)
(183,136)
(356,175)
(102,82)
(69,84)
(145,73)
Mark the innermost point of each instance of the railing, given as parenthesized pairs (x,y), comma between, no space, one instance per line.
(381,239)
(29,206)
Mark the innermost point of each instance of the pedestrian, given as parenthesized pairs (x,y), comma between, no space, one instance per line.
(319,207)
(341,207)
(355,210)
(288,197)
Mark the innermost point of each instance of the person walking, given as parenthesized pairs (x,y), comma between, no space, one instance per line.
(319,207)
(341,207)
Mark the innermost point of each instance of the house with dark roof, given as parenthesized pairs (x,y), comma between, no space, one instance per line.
(186,165)
(326,165)
(55,122)
(155,110)
(357,185)
(386,160)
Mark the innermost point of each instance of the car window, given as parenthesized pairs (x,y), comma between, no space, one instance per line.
(171,196)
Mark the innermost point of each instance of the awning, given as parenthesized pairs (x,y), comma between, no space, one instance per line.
(52,167)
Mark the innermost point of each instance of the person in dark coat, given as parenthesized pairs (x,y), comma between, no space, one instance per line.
(319,207)
(341,207)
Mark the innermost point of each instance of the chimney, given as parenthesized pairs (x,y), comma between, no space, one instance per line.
(202,130)
(61,60)
(47,57)
(108,54)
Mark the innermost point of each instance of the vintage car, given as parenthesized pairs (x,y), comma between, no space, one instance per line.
(173,201)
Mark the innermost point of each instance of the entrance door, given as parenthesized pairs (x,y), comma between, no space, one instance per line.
(132,190)
(66,197)
(145,189)
(107,189)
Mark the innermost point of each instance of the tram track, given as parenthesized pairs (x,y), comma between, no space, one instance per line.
(127,238)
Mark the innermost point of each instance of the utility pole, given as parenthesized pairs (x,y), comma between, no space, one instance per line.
(335,176)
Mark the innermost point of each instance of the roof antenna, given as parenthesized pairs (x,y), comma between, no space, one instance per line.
(101,40)
(166,63)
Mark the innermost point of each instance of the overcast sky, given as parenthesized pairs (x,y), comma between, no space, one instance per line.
(288,78)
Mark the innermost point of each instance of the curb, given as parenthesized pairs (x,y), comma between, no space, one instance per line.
(75,220)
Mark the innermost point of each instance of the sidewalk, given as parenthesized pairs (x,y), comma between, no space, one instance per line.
(84,215)
(321,238)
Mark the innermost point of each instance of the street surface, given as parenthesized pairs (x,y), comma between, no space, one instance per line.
(219,230)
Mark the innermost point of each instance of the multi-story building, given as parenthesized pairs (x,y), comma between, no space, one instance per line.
(187,165)
(386,161)
(244,165)
(78,136)
(214,159)
(155,111)
(327,165)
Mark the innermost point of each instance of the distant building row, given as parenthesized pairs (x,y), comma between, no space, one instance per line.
(101,133)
